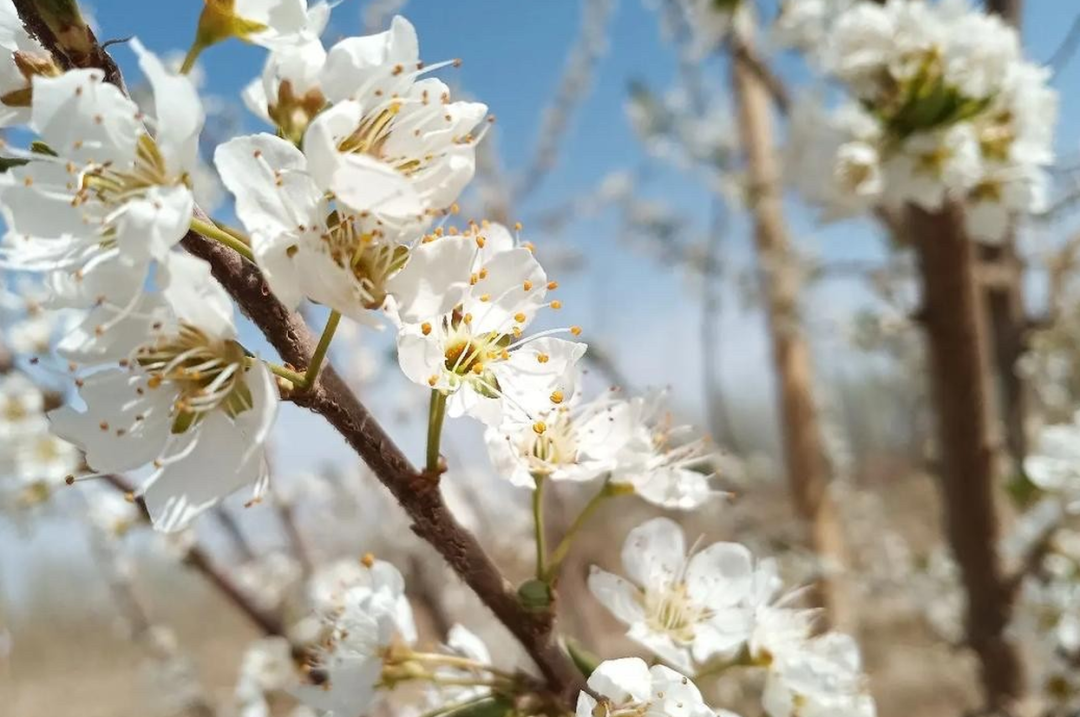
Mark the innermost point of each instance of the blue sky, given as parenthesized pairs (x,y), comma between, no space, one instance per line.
(513,55)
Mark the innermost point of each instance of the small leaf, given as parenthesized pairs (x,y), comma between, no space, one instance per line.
(584,660)
(535,595)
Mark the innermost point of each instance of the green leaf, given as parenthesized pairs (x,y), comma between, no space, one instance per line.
(584,660)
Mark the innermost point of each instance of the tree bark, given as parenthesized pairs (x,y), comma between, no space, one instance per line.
(804,453)
(955,321)
(1003,270)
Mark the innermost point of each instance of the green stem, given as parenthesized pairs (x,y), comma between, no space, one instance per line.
(538,522)
(295,377)
(319,356)
(563,548)
(210,231)
(192,55)
(436,414)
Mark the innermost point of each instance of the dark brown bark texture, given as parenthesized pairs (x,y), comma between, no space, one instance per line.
(954,318)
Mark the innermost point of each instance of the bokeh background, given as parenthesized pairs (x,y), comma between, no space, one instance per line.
(653,262)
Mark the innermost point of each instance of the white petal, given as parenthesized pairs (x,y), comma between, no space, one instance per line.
(617,595)
(251,168)
(178,111)
(109,432)
(216,463)
(153,224)
(654,553)
(622,680)
(81,116)
(434,280)
(196,297)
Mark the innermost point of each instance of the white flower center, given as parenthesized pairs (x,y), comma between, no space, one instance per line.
(672,612)
(556,446)
(371,262)
(112,186)
(208,372)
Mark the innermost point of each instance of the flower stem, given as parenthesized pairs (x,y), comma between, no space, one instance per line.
(436,414)
(192,55)
(288,374)
(462,663)
(563,548)
(210,231)
(319,356)
(538,523)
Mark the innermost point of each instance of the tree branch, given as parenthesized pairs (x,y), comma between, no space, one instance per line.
(331,398)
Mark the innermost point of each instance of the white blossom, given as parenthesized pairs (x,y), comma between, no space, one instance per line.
(114,198)
(187,402)
(628,686)
(685,609)
(464,301)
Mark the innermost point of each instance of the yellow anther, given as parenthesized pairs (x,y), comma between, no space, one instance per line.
(556,304)
(543,358)
(467,318)
(556,397)
(367,560)
(425,328)
(483,273)
(517,226)
(575,330)
(473,279)
(553,285)
(527,285)
(539,427)
(454,209)
(432,381)
(480,241)
(485,297)
(516,331)
(519,317)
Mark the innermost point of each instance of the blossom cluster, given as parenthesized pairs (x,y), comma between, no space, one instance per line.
(941,105)
(348,204)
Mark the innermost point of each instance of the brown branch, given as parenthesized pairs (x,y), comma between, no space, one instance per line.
(432,520)
(198,559)
(749,56)
(804,453)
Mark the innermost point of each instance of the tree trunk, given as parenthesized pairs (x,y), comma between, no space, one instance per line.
(801,430)
(955,323)
(1003,271)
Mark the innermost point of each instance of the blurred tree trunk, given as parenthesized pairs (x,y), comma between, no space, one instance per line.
(1002,270)
(780,278)
(955,320)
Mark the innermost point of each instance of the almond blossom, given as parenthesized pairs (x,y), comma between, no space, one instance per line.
(186,401)
(579,443)
(685,609)
(391,144)
(305,246)
(956,113)
(374,614)
(464,302)
(628,686)
(114,197)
